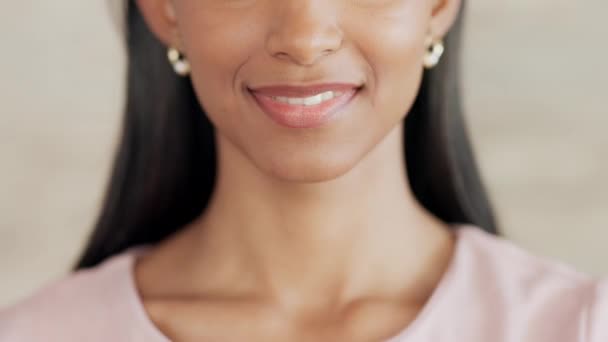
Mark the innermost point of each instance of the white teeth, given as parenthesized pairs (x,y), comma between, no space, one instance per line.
(327,96)
(308,101)
(314,100)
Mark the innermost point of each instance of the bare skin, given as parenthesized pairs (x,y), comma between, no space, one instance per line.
(311,234)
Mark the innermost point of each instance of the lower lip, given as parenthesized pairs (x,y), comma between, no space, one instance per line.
(300,116)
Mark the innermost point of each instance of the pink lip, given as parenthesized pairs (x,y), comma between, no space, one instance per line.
(301,116)
(303,91)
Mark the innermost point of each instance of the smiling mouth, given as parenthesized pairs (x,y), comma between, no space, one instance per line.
(306,106)
(309,101)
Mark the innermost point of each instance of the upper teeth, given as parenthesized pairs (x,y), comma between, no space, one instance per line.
(308,101)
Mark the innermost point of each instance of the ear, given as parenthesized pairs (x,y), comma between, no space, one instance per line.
(444,15)
(160,18)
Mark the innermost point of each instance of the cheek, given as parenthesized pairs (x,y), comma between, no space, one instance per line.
(392,44)
(218,45)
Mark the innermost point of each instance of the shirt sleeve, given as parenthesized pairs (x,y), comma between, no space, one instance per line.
(597,326)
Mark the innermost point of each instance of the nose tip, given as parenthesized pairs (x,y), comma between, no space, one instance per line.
(304,36)
(306,51)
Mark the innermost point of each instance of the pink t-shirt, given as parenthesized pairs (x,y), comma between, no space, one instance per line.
(493,291)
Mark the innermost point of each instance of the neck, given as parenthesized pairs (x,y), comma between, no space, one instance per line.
(334,237)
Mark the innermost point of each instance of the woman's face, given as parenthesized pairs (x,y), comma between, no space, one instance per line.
(365,54)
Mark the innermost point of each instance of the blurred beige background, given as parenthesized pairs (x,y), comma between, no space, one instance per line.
(535,79)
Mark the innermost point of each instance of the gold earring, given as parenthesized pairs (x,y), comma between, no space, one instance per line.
(434,52)
(180,64)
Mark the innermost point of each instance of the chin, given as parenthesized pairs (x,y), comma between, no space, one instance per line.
(310,167)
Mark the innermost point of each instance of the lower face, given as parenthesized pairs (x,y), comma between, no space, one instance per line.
(237,46)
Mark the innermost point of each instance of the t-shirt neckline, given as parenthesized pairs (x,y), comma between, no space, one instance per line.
(440,291)
(150,329)
(135,301)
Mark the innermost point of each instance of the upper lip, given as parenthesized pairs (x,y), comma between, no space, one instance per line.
(304,90)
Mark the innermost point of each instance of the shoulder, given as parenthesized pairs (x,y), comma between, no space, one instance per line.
(500,257)
(597,316)
(546,299)
(70,308)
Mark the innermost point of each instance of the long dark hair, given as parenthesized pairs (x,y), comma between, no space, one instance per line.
(165,167)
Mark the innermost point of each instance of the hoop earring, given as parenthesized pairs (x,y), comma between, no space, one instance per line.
(180,64)
(434,52)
